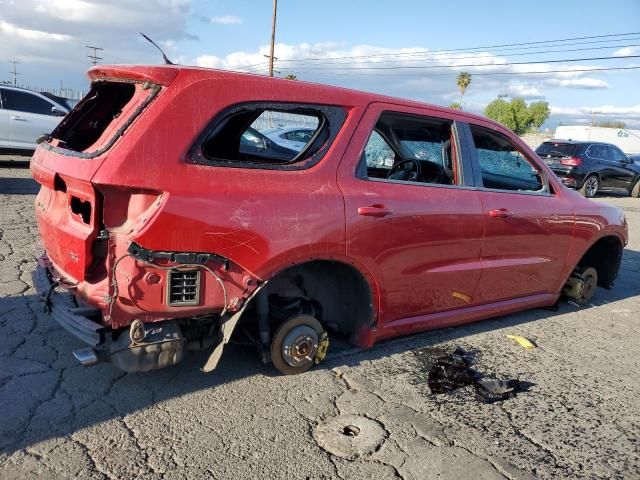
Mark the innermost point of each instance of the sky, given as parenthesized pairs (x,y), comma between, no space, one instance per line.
(358,44)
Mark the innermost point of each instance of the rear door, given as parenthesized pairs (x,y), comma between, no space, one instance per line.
(622,176)
(5,137)
(419,236)
(30,116)
(528,228)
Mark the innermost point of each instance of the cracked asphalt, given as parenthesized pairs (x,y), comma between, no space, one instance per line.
(581,419)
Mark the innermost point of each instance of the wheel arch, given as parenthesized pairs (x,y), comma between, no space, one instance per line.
(348,295)
(605,255)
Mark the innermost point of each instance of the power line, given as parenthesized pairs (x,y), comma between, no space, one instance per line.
(422,67)
(94,58)
(522,46)
(319,72)
(438,57)
(439,53)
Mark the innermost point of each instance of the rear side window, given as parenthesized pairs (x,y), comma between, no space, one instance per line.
(502,165)
(560,150)
(25,102)
(289,136)
(101,117)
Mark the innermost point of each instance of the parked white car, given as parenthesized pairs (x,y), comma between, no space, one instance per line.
(290,137)
(25,116)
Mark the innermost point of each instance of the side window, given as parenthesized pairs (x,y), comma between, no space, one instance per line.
(260,135)
(409,148)
(25,102)
(502,165)
(617,155)
(378,154)
(598,152)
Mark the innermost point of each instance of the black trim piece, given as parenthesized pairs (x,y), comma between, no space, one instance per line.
(155,89)
(331,119)
(70,318)
(469,155)
(181,258)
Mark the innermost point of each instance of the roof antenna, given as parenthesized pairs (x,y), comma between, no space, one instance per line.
(166,60)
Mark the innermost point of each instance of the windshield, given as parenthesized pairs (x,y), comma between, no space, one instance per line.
(550,149)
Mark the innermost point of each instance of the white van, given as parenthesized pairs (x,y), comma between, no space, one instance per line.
(25,116)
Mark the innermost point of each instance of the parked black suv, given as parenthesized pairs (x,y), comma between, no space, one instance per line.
(591,166)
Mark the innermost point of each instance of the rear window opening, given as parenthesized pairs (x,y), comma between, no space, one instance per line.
(101,116)
(264,135)
(101,106)
(270,136)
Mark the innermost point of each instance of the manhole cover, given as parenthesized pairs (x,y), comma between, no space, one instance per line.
(350,436)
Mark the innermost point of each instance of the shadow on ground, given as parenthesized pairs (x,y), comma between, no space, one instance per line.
(45,394)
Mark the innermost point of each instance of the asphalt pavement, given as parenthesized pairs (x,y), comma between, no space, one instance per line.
(360,414)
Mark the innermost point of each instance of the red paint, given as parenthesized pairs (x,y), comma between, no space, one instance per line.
(434,256)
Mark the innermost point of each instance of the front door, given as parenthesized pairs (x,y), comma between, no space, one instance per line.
(528,228)
(622,175)
(409,219)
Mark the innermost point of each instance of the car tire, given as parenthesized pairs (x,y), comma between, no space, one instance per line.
(590,186)
(298,344)
(635,190)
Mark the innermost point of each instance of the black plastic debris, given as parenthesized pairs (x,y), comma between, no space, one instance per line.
(451,369)
(492,390)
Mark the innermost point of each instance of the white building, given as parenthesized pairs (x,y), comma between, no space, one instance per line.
(626,139)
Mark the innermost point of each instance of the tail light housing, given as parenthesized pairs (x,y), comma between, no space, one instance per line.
(571,161)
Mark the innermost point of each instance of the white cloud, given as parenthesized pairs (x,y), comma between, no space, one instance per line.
(626,51)
(585,83)
(10,30)
(526,91)
(54,33)
(226,20)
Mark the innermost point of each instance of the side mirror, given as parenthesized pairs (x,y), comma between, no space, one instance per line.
(57,112)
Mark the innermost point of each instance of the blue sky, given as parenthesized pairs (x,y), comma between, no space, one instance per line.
(235,34)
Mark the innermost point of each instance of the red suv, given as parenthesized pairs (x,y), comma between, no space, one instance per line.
(169,219)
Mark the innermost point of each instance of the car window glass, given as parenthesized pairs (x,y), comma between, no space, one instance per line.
(617,155)
(262,135)
(410,148)
(502,165)
(25,102)
(598,152)
(378,153)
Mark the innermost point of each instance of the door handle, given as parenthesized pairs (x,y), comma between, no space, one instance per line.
(374,211)
(20,119)
(500,213)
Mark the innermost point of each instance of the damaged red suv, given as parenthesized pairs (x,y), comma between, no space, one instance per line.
(172,214)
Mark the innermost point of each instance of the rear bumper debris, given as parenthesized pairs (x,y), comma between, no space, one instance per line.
(63,308)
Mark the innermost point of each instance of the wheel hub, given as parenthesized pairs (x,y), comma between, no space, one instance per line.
(588,287)
(300,346)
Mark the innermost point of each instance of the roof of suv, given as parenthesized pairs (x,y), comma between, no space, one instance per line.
(165,74)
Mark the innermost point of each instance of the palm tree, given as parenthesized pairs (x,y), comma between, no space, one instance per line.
(463,81)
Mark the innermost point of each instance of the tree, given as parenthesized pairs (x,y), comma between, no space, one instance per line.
(611,124)
(455,106)
(517,115)
(463,81)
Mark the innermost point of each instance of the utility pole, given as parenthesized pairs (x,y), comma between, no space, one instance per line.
(94,58)
(14,72)
(273,37)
